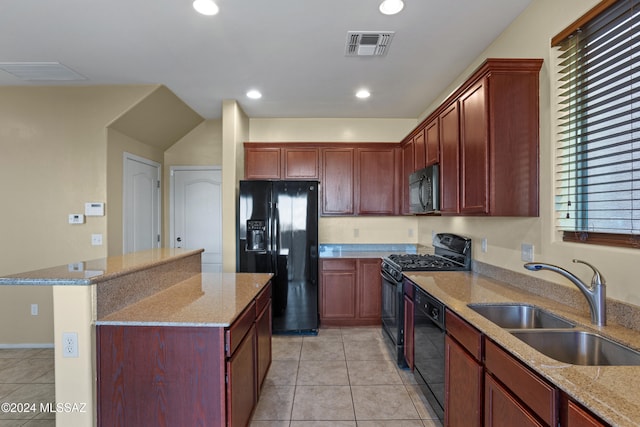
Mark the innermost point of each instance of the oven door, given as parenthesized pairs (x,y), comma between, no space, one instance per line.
(393,315)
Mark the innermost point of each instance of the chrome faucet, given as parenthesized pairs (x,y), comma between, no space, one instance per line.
(595,294)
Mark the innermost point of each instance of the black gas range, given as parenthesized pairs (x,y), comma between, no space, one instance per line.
(451,252)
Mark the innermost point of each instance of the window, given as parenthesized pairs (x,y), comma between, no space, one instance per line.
(598,152)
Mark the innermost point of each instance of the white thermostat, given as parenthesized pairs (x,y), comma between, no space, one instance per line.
(76,219)
(94,209)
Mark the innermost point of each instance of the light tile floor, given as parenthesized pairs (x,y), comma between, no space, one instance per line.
(26,377)
(344,377)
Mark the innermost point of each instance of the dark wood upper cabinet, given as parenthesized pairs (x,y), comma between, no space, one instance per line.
(432,142)
(474,148)
(419,150)
(301,163)
(262,163)
(377,182)
(338,166)
(449,159)
(407,168)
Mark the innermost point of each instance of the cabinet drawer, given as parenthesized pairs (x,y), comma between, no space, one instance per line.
(239,329)
(338,264)
(465,334)
(263,299)
(539,396)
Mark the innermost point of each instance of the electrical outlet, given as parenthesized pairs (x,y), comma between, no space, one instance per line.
(70,344)
(410,232)
(356,232)
(96,239)
(34,309)
(526,250)
(484,244)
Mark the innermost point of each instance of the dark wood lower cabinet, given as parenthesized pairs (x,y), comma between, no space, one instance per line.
(263,334)
(502,409)
(160,376)
(242,393)
(350,292)
(181,375)
(463,387)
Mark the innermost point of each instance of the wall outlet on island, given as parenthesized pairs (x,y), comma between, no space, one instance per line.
(526,250)
(70,344)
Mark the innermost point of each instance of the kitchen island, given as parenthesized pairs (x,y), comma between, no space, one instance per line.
(610,392)
(161,290)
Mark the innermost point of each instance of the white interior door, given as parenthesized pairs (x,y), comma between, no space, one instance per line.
(197,213)
(141,204)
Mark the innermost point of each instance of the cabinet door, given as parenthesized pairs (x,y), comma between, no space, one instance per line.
(369,289)
(407,169)
(432,142)
(463,387)
(502,409)
(449,160)
(262,163)
(420,150)
(474,150)
(338,289)
(241,385)
(337,181)
(300,163)
(263,333)
(573,414)
(376,181)
(408,331)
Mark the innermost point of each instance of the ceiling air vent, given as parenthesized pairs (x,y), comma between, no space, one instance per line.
(368,43)
(41,71)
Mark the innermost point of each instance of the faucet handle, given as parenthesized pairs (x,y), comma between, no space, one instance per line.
(598,278)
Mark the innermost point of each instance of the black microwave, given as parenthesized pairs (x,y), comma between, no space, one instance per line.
(424,186)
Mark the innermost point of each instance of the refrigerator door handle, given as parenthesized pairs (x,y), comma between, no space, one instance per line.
(274,238)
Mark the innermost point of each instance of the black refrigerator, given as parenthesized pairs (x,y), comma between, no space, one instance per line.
(278,233)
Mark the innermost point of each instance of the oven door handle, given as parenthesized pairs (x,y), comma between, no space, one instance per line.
(386,276)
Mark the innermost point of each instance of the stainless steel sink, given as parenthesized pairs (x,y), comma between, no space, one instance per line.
(520,316)
(579,347)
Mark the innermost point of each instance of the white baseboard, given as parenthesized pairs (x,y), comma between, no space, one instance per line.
(26,345)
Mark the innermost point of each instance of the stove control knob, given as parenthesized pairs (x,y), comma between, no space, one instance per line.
(434,312)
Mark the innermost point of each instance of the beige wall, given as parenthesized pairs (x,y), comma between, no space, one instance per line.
(529,36)
(235,130)
(53,160)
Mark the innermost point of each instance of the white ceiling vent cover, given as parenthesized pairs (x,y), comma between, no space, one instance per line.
(368,43)
(41,71)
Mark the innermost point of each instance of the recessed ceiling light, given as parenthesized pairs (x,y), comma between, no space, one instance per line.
(206,7)
(391,7)
(254,94)
(363,93)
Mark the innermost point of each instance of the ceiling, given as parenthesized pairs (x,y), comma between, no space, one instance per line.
(293,51)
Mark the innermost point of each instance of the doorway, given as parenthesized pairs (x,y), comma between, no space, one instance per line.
(196,212)
(140,204)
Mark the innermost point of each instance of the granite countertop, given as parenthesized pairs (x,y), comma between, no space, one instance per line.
(97,270)
(206,299)
(611,392)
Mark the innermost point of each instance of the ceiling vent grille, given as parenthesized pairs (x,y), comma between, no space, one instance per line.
(368,43)
(40,71)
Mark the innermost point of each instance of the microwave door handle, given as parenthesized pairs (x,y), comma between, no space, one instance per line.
(421,193)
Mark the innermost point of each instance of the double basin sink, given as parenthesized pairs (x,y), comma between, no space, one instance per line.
(556,337)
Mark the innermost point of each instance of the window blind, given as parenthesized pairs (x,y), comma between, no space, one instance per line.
(598,145)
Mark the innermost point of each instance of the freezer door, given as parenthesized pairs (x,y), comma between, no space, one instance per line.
(295,290)
(255,240)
